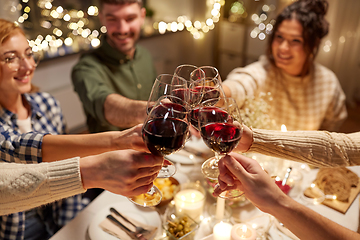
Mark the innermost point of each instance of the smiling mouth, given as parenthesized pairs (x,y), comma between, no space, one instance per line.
(22,79)
(284,57)
(122,36)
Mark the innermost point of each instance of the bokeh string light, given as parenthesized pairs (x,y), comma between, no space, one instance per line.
(69,31)
(264,24)
(197,28)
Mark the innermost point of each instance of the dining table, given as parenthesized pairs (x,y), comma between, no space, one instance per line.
(188,165)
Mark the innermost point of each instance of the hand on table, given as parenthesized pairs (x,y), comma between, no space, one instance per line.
(125,172)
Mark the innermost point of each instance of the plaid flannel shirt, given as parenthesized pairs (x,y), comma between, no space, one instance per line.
(46,118)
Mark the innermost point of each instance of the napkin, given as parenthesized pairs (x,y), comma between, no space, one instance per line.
(111,228)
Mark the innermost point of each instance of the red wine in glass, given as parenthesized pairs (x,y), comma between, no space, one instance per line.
(194,118)
(221,137)
(209,114)
(181,93)
(164,136)
(176,110)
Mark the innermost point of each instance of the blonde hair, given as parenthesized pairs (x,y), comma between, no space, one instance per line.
(8,29)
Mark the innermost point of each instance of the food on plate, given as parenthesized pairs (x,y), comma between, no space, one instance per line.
(179,226)
(337,181)
(167,186)
(147,199)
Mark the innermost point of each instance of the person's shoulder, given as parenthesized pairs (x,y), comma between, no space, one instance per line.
(323,73)
(90,56)
(255,68)
(43,98)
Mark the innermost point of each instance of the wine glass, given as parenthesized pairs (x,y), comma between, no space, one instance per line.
(167,84)
(164,131)
(210,91)
(221,129)
(194,77)
(178,109)
(211,73)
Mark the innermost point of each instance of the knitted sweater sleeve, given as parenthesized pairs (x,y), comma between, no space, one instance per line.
(25,186)
(317,148)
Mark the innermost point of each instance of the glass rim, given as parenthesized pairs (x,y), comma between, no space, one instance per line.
(161,76)
(184,104)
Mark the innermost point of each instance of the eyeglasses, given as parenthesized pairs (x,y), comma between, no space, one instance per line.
(13,61)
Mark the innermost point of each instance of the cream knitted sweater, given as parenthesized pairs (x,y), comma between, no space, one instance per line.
(315,102)
(317,148)
(25,186)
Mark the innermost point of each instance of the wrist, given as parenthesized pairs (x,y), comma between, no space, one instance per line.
(282,206)
(86,172)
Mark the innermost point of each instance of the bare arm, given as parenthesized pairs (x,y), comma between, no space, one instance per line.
(262,191)
(124,112)
(55,147)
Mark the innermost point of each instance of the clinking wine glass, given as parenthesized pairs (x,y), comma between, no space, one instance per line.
(194,77)
(164,131)
(167,84)
(221,129)
(210,92)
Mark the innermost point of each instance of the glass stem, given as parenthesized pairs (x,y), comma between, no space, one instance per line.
(215,163)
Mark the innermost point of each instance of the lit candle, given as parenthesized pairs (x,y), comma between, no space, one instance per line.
(222,231)
(242,231)
(220,208)
(190,202)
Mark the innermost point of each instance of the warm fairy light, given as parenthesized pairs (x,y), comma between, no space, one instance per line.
(66,17)
(199,26)
(68,41)
(174,26)
(93,11)
(48,5)
(262,28)
(283,128)
(103,29)
(60,9)
(95,42)
(342,39)
(180,26)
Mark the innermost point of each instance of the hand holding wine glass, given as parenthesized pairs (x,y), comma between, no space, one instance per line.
(220,128)
(164,131)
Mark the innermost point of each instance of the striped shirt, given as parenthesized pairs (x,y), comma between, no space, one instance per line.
(46,118)
(313,102)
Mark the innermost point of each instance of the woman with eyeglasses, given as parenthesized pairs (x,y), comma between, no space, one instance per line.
(304,94)
(30,125)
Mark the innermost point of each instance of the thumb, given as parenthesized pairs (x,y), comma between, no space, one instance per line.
(239,165)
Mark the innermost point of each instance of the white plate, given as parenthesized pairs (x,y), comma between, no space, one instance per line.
(185,157)
(144,215)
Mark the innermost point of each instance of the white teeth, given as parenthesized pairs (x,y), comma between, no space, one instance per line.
(284,57)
